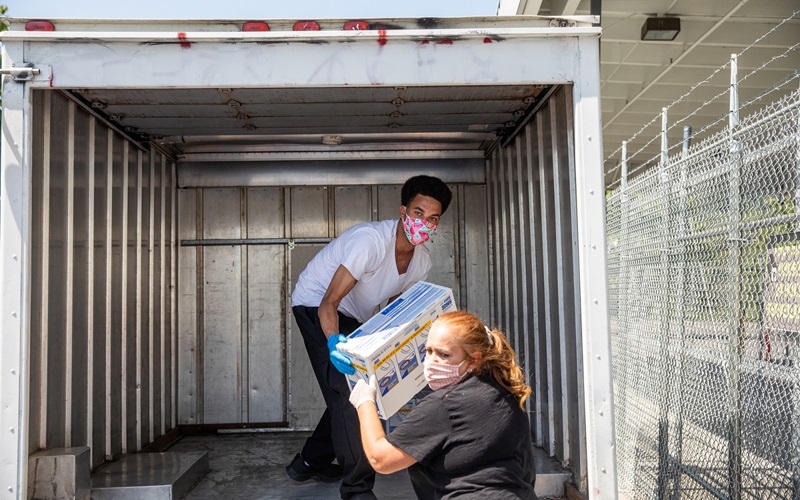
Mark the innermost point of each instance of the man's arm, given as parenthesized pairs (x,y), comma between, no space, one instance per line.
(340,285)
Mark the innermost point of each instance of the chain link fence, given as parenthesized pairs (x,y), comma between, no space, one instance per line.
(704,288)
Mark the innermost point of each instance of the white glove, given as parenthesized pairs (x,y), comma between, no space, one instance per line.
(364,392)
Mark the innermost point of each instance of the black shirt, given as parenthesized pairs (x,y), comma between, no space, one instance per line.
(470,440)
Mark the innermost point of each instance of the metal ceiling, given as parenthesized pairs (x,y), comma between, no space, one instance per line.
(278,120)
(638,78)
(202,124)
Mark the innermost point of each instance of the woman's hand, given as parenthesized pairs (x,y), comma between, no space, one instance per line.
(364,392)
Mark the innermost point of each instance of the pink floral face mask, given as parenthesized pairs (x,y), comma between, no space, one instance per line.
(418,231)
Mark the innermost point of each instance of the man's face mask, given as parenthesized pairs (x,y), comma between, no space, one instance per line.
(418,231)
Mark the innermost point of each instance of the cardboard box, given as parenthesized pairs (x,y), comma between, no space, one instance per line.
(391,345)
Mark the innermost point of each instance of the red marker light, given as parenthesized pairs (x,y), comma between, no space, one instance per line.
(39,26)
(355,26)
(306,26)
(255,26)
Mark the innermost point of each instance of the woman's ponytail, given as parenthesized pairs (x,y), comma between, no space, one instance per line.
(501,363)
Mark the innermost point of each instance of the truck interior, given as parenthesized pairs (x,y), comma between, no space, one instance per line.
(171,216)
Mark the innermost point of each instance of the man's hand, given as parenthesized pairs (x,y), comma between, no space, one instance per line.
(364,392)
(339,360)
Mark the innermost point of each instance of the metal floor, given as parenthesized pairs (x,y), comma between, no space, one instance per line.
(251,466)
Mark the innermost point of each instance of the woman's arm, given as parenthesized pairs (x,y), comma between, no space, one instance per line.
(383,456)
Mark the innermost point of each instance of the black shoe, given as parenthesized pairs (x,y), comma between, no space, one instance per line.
(299,471)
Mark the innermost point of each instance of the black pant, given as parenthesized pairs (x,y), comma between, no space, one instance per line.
(337,434)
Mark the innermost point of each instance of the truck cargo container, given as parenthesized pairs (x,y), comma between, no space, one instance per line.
(164,183)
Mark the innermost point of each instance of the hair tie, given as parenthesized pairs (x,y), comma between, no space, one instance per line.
(489,334)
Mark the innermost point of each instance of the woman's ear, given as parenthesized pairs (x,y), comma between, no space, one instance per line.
(476,360)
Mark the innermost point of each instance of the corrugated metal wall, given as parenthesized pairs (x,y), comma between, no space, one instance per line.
(102,308)
(104,361)
(535,285)
(242,359)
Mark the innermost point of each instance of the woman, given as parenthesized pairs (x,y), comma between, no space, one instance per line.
(470,438)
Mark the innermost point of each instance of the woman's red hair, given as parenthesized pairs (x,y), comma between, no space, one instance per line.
(497,359)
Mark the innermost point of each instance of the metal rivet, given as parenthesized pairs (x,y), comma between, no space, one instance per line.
(588,137)
(598,357)
(601,413)
(11,489)
(14,314)
(13,371)
(594,247)
(596,301)
(14,257)
(591,191)
(603,470)
(11,430)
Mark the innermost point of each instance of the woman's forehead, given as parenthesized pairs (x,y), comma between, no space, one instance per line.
(439,336)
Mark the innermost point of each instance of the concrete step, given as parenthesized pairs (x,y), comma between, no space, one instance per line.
(550,475)
(148,476)
(59,473)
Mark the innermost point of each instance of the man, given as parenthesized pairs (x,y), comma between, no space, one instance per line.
(342,287)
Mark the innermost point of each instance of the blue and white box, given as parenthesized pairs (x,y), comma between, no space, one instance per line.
(391,345)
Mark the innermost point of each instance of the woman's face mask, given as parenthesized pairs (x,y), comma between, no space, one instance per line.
(418,231)
(441,375)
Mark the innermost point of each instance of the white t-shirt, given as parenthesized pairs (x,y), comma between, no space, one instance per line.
(367,251)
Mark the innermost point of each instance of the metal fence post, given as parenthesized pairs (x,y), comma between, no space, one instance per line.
(624,179)
(736,318)
(682,276)
(621,414)
(796,391)
(663,354)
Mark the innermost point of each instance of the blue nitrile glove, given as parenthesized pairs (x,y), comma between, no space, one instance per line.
(339,360)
